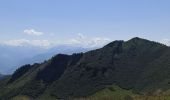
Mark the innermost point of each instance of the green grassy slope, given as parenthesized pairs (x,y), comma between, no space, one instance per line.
(116,93)
(110,93)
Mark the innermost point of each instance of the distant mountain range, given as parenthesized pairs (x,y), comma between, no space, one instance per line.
(63,49)
(126,70)
(11,57)
(1,76)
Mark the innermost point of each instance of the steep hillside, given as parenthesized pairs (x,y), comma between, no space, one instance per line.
(138,65)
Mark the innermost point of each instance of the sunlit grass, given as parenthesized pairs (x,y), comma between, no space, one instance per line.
(110,93)
(21,98)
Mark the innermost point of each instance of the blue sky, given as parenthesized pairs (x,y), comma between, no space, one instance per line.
(46,22)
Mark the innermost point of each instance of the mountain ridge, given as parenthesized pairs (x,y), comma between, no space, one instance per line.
(136,64)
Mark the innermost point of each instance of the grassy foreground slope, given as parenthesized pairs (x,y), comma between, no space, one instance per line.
(116,93)
(110,93)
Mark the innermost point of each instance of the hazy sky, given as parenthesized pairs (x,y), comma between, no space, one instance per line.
(90,22)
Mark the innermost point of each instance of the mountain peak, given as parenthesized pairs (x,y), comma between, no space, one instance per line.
(138,39)
(116,42)
(135,40)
